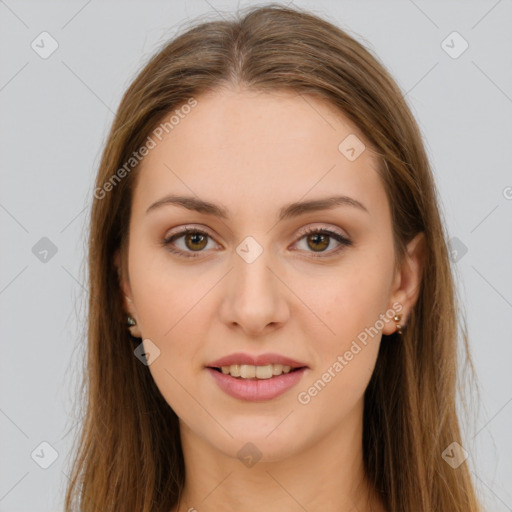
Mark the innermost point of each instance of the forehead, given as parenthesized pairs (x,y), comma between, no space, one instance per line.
(241,145)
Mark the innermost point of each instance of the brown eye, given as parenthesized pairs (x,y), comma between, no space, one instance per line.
(318,241)
(190,241)
(195,241)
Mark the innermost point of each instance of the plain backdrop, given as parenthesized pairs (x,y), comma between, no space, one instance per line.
(55,112)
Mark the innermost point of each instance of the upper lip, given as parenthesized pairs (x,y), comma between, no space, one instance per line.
(257,360)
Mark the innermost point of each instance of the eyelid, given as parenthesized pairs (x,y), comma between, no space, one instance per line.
(316,227)
(182,230)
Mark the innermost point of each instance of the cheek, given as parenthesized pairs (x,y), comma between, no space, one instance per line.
(171,309)
(174,309)
(347,340)
(350,302)
(345,359)
(163,295)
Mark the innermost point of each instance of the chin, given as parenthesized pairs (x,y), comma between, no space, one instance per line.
(260,440)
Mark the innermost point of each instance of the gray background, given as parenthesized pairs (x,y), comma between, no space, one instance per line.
(54,117)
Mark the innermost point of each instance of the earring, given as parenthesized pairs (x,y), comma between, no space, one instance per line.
(131,323)
(398,326)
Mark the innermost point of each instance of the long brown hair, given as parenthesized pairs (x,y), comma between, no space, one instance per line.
(128,455)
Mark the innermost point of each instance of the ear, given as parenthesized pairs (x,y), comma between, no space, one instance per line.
(127,299)
(407,283)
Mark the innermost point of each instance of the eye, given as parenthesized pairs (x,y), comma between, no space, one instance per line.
(195,240)
(319,239)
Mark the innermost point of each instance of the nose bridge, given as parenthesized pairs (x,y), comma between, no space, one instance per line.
(255,297)
(252,278)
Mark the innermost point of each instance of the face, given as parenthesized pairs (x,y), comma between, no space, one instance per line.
(262,278)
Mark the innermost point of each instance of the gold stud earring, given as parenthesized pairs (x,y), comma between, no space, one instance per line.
(398,326)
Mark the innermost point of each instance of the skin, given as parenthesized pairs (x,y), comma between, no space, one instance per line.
(253,153)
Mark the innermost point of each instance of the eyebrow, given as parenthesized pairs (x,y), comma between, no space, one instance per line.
(286,212)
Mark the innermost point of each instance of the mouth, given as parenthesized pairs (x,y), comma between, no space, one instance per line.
(252,372)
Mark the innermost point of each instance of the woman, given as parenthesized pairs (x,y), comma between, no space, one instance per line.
(273,321)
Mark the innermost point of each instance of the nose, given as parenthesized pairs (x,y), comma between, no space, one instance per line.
(255,297)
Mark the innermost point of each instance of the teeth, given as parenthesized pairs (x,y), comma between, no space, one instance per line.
(264,372)
(277,369)
(249,371)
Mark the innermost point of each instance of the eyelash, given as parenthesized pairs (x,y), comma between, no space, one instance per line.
(345,242)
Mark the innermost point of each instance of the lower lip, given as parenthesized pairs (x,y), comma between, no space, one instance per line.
(256,390)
